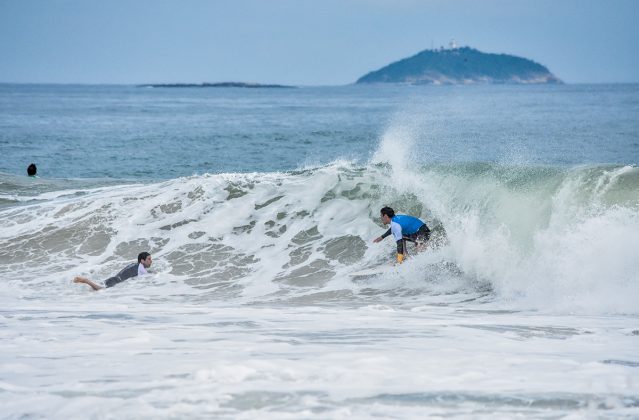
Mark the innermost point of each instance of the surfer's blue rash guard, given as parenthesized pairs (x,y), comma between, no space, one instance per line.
(406,226)
(402,225)
(131,270)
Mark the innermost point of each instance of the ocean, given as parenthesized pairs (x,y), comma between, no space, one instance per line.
(258,205)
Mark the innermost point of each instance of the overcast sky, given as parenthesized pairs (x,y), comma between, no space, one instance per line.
(303,42)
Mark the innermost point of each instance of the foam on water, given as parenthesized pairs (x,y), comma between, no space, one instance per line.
(536,237)
(522,307)
(542,237)
(97,358)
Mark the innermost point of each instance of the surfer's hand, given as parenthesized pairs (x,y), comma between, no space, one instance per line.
(379,238)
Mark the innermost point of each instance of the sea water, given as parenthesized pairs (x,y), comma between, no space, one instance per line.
(258,204)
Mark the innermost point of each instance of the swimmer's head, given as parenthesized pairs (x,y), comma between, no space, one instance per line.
(145,259)
(32,170)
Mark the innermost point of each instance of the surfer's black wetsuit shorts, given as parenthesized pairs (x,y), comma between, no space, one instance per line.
(422,235)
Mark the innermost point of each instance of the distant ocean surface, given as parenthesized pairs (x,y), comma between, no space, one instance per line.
(258,205)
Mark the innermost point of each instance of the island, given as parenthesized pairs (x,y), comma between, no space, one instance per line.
(463,65)
(216,85)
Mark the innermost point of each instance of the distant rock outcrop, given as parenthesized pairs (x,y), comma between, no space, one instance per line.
(461,66)
(215,85)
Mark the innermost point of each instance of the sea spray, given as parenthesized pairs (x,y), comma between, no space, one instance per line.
(537,237)
(561,239)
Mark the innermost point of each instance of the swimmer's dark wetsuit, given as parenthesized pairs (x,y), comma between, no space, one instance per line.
(407,228)
(127,272)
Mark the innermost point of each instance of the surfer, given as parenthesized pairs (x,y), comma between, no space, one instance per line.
(404,228)
(131,270)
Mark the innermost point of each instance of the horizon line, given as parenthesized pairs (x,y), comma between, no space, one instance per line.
(265,84)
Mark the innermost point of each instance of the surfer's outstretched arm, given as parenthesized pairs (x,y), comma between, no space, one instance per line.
(380,238)
(85,280)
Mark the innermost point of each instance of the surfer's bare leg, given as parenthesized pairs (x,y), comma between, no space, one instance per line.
(85,280)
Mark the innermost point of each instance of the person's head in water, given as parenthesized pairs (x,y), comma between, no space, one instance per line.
(145,259)
(387,214)
(32,170)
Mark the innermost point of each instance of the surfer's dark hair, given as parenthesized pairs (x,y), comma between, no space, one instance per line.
(143,256)
(388,212)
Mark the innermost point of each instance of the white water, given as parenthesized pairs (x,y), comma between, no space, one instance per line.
(527,306)
(120,355)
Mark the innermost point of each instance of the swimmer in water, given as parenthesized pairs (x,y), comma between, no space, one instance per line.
(131,270)
(32,170)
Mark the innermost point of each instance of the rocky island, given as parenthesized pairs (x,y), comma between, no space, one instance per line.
(215,85)
(461,66)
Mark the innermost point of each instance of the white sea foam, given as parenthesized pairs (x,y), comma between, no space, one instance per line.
(538,238)
(523,306)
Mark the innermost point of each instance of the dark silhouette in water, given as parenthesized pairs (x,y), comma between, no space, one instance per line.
(32,170)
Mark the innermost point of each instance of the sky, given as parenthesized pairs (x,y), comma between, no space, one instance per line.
(303,42)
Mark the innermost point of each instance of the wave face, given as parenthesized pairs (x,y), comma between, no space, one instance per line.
(558,239)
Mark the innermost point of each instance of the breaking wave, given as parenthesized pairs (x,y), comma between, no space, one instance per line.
(529,237)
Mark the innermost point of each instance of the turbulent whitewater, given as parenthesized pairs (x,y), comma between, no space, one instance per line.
(534,237)
(524,303)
